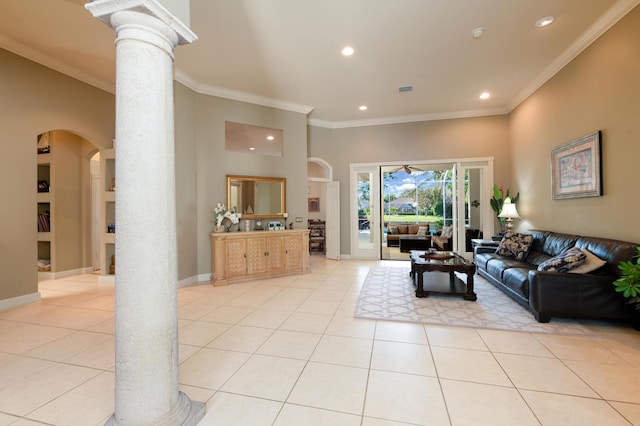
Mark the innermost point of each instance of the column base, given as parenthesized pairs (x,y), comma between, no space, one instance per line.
(186,413)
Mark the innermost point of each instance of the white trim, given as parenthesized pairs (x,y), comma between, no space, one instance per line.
(20,300)
(195,279)
(616,12)
(186,282)
(413,161)
(324,164)
(407,118)
(55,64)
(221,92)
(63,274)
(375,227)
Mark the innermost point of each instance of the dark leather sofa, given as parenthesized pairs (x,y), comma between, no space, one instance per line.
(560,294)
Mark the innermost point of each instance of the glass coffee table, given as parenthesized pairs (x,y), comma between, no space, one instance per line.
(434,272)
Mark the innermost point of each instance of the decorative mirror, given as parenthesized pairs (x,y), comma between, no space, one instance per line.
(256,197)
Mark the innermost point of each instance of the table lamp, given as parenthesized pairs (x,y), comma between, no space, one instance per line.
(509,212)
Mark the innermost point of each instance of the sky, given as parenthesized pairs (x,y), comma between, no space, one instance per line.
(402,181)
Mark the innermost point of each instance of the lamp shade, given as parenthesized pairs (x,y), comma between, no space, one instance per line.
(509,211)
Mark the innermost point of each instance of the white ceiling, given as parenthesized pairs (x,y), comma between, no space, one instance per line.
(286,53)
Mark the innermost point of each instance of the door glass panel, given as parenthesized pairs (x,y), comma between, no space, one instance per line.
(365,210)
(415,194)
(472,209)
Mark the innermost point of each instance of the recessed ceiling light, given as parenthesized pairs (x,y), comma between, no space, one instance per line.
(485,95)
(362,107)
(252,149)
(270,138)
(543,22)
(347,51)
(478,32)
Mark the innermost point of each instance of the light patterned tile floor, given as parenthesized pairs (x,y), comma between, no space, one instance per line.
(288,351)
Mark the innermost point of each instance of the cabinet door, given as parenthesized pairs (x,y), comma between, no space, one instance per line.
(293,252)
(275,253)
(236,262)
(256,255)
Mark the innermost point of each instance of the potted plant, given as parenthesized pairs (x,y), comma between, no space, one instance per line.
(498,199)
(629,285)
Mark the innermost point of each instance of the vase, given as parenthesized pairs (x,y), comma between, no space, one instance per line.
(217,228)
(234,227)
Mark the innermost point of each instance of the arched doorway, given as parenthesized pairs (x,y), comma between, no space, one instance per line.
(64,204)
(320,185)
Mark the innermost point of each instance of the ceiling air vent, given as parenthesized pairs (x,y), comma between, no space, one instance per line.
(402,89)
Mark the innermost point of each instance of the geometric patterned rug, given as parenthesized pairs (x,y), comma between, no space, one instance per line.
(388,293)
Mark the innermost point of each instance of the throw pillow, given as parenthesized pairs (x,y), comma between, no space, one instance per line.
(422,231)
(515,245)
(392,229)
(591,263)
(447,231)
(563,262)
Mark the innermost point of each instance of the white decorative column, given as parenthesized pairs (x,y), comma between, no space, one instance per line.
(146,320)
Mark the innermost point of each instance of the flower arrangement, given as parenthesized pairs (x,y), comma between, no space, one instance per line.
(221,213)
(499,198)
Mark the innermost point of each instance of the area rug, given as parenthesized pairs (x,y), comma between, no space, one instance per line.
(388,294)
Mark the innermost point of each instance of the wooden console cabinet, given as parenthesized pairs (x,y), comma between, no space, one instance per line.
(237,256)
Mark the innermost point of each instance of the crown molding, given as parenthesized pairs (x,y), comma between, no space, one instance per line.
(604,23)
(38,57)
(235,95)
(407,118)
(599,27)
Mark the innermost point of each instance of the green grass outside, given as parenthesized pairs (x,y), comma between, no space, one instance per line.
(411,218)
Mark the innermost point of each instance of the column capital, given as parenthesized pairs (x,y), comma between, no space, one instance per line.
(105,9)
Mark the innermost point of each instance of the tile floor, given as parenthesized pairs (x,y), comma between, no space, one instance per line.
(288,351)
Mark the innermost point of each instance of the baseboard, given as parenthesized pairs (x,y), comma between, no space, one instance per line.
(20,300)
(63,274)
(196,279)
(186,282)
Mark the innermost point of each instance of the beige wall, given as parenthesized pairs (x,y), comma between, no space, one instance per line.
(409,143)
(213,163)
(598,90)
(186,196)
(34,100)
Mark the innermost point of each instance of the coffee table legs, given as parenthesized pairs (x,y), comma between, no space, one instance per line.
(470,294)
(453,287)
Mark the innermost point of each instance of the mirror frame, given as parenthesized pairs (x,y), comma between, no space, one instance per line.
(283,192)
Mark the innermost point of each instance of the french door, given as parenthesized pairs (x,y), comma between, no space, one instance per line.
(466,187)
(365,212)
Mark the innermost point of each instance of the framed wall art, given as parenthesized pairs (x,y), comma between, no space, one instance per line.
(314,205)
(576,170)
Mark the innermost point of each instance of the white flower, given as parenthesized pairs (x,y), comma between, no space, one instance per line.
(221,213)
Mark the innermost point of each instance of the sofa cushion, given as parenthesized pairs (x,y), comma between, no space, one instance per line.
(422,231)
(413,229)
(515,245)
(517,279)
(392,229)
(535,257)
(590,264)
(447,231)
(403,229)
(564,262)
(556,243)
(497,265)
(613,251)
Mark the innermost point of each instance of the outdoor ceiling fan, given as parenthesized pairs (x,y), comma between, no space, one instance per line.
(407,169)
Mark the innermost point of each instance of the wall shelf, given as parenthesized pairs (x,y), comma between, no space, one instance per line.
(108,209)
